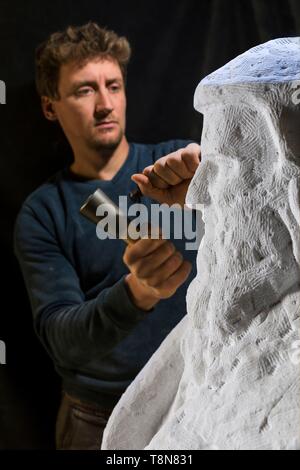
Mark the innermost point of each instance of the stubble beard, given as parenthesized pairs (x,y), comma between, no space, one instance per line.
(106,146)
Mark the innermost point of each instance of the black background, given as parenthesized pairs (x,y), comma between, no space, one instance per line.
(175,44)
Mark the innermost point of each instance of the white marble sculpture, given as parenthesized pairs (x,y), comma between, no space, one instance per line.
(228,376)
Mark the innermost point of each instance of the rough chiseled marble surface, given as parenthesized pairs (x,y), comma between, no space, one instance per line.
(228,376)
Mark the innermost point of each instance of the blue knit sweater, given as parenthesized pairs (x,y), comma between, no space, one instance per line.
(97,338)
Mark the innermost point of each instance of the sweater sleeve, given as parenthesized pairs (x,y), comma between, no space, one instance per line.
(72,329)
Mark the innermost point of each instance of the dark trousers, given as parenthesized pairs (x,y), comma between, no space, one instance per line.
(80,425)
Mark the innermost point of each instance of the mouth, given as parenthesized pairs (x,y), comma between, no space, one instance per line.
(106,124)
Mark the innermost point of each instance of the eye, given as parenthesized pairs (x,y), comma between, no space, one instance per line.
(114,88)
(84,91)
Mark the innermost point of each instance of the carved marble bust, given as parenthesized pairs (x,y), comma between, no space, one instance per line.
(228,376)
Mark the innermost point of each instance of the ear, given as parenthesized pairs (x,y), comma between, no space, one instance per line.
(48,108)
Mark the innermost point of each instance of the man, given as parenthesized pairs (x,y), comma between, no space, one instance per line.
(99,318)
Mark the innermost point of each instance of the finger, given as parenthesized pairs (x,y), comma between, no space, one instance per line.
(150,266)
(165,270)
(191,156)
(156,180)
(140,249)
(145,185)
(175,280)
(179,167)
(148,169)
(166,173)
(147,188)
(140,178)
(149,180)
(193,148)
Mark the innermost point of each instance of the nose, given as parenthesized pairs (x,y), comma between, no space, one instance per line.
(103,102)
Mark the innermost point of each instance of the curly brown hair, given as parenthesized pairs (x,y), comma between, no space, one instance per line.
(77,44)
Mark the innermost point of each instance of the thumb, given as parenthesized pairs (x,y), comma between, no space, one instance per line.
(139,178)
(144,184)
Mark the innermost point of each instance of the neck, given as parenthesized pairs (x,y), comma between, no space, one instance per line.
(103,165)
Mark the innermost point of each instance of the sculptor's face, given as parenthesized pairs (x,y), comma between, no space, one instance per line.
(92,105)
